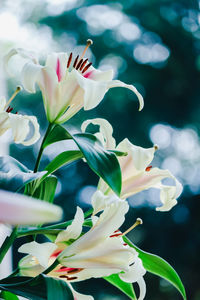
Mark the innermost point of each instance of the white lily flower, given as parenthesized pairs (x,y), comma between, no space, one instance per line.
(99,252)
(67,87)
(137,174)
(19,124)
(18,209)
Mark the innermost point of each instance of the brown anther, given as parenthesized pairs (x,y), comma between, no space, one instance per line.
(75,62)
(148,168)
(115,235)
(83,64)
(71,278)
(125,244)
(69,60)
(86,68)
(75,270)
(63,276)
(79,64)
(9,109)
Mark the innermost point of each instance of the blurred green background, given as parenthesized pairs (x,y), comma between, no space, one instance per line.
(154,45)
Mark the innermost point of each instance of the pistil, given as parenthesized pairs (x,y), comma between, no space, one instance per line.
(18,89)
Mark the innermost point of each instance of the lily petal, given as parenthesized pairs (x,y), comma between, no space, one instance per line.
(20,128)
(74,230)
(78,296)
(58,62)
(23,53)
(41,251)
(105,131)
(101,201)
(20,209)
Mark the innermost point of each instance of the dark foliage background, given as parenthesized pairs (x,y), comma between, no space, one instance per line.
(156,46)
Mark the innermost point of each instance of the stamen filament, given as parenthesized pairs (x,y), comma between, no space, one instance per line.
(18,89)
(138,222)
(89,43)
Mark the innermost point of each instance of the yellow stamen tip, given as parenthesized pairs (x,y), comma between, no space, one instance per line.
(19,88)
(155,147)
(89,42)
(139,221)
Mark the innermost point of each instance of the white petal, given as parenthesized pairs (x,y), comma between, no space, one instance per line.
(107,254)
(109,221)
(41,251)
(94,91)
(99,75)
(142,287)
(58,62)
(118,83)
(78,296)
(2,103)
(169,194)
(139,157)
(101,201)
(74,230)
(30,76)
(105,129)
(135,272)
(20,128)
(4,122)
(29,266)
(20,209)
(19,51)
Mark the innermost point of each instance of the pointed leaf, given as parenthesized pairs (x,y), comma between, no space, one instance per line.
(14,175)
(101,161)
(46,190)
(61,160)
(8,296)
(158,266)
(104,163)
(126,288)
(41,287)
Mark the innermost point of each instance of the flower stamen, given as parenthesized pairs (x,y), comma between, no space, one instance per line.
(69,60)
(75,62)
(89,43)
(79,64)
(83,64)
(138,222)
(18,89)
(86,68)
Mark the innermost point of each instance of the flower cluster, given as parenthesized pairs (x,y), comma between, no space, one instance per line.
(76,252)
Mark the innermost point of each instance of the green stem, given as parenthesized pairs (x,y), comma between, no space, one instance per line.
(8,243)
(53,266)
(42,148)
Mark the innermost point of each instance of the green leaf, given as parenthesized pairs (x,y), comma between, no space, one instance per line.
(58,133)
(57,289)
(104,163)
(8,296)
(101,161)
(126,288)
(61,160)
(46,189)
(158,266)
(41,287)
(14,175)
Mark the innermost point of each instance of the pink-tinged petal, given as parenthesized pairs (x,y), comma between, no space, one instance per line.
(58,70)
(20,209)
(41,251)
(58,63)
